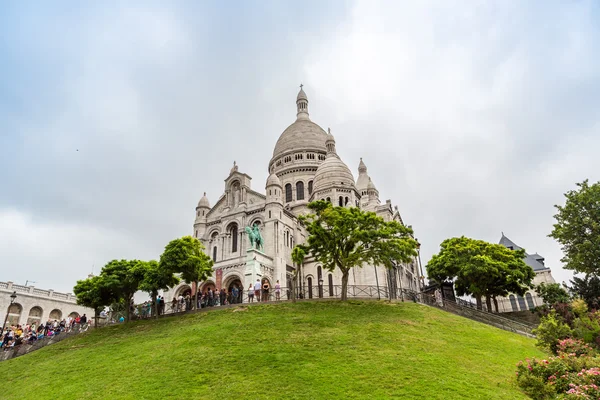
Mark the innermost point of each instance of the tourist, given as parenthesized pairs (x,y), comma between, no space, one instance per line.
(257,290)
(277,291)
(234,294)
(250,294)
(222,296)
(266,291)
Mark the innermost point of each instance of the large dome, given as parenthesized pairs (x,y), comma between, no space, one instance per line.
(332,172)
(301,135)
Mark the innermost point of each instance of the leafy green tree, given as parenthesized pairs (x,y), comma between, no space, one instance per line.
(186,257)
(345,238)
(298,255)
(95,293)
(155,279)
(125,277)
(550,331)
(480,269)
(577,228)
(552,293)
(587,288)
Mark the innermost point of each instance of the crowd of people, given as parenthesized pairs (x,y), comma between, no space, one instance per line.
(211,297)
(16,335)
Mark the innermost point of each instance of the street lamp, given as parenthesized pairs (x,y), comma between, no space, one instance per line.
(320,287)
(13,296)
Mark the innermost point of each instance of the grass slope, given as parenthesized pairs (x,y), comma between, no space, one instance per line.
(313,350)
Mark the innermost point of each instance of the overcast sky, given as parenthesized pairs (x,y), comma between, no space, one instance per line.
(474,117)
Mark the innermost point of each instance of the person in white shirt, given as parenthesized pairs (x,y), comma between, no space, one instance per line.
(257,290)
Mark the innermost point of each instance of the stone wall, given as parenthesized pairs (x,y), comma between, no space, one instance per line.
(33,304)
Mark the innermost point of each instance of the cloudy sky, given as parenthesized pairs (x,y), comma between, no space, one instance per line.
(473,117)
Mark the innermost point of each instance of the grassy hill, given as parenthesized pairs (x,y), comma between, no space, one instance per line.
(320,350)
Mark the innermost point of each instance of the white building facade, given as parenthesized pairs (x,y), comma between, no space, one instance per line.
(530,300)
(33,305)
(304,167)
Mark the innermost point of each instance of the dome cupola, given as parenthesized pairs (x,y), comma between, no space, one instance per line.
(203,203)
(333,172)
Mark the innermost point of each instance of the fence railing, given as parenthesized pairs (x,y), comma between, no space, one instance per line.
(486,317)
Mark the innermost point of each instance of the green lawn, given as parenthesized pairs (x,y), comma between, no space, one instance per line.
(322,350)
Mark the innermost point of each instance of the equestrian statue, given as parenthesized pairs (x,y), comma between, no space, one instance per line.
(256,240)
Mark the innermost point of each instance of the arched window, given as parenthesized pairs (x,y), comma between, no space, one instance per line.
(341,201)
(319,273)
(309,282)
(346,201)
(56,314)
(288,192)
(521,301)
(513,302)
(529,301)
(215,254)
(234,237)
(35,315)
(309,188)
(329,199)
(14,314)
(300,190)
(330,279)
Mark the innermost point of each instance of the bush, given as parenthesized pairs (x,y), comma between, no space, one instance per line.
(566,375)
(579,307)
(550,331)
(575,347)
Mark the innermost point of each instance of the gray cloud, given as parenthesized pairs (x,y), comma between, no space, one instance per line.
(473,120)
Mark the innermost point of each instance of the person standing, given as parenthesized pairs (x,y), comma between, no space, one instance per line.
(266,291)
(277,291)
(250,294)
(234,294)
(257,290)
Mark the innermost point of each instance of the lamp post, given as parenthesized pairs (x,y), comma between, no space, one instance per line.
(320,287)
(12,300)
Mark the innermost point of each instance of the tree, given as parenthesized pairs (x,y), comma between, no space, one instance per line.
(155,279)
(298,255)
(552,293)
(577,228)
(125,277)
(587,288)
(480,269)
(186,257)
(345,238)
(95,293)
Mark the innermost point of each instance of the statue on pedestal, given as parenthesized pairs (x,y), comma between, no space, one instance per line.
(256,240)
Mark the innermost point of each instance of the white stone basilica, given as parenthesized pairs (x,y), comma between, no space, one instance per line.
(305,167)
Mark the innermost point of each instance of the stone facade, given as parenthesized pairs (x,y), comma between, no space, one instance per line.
(530,300)
(305,167)
(36,305)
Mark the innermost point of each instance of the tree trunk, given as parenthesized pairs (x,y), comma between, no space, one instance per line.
(495,303)
(488,303)
(96,315)
(127,308)
(294,285)
(478,299)
(345,276)
(154,305)
(196,297)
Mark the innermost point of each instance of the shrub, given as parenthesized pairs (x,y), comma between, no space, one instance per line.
(566,375)
(579,307)
(576,347)
(550,331)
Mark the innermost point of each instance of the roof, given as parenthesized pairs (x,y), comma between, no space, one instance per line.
(530,259)
(301,135)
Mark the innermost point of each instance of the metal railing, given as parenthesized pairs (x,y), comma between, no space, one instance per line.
(486,317)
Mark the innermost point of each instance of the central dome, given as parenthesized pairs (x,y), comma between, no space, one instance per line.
(301,135)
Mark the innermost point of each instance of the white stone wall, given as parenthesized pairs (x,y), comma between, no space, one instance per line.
(29,297)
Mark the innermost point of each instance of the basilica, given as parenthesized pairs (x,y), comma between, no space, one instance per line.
(305,167)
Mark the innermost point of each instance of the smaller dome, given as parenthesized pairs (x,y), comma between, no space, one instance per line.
(204,201)
(371,185)
(301,95)
(273,180)
(332,172)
